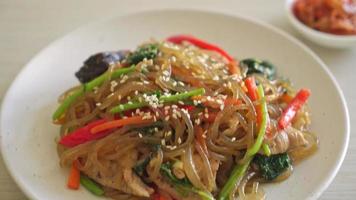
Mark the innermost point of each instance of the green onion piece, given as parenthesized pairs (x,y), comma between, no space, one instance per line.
(261,133)
(182,96)
(235,177)
(89,87)
(163,99)
(203,195)
(91,185)
(127,106)
(67,102)
(102,78)
(240,169)
(266,150)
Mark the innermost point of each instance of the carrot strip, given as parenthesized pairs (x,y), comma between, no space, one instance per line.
(74,177)
(119,123)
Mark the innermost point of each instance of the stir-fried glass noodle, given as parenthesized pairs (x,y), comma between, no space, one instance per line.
(181,119)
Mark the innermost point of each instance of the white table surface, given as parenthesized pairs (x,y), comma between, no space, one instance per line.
(28,26)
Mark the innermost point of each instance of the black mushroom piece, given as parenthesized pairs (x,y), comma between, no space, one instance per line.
(97,64)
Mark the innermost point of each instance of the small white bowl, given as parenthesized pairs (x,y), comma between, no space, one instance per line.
(318,37)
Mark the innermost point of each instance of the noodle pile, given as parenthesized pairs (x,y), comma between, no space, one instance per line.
(202,137)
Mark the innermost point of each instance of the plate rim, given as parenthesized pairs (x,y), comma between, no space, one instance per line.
(320,189)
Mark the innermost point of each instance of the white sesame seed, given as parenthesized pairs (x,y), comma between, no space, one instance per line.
(157,114)
(233,139)
(156,129)
(163,142)
(146,82)
(167,118)
(166,73)
(174,83)
(206,115)
(174,115)
(119,97)
(98,104)
(174,106)
(181,102)
(128,98)
(216,78)
(136,92)
(181,83)
(129,102)
(222,107)
(140,135)
(179,140)
(219,101)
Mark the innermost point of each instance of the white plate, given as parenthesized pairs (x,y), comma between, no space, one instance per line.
(28,136)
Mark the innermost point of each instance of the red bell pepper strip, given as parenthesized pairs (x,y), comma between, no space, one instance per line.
(178,39)
(289,113)
(83,135)
(250,83)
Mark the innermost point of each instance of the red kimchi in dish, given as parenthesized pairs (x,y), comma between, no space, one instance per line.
(329,16)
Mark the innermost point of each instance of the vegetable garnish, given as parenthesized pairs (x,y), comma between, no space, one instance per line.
(74,177)
(266,150)
(89,87)
(83,135)
(263,67)
(272,166)
(162,99)
(240,169)
(178,39)
(297,102)
(236,176)
(119,123)
(184,184)
(91,186)
(262,131)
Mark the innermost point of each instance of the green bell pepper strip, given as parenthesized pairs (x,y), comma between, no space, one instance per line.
(91,186)
(240,169)
(163,99)
(89,87)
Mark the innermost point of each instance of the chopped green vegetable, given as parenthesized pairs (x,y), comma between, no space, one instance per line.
(88,87)
(240,169)
(183,185)
(149,51)
(260,67)
(90,185)
(182,96)
(128,106)
(271,167)
(162,98)
(100,79)
(235,177)
(266,150)
(261,133)
(166,169)
(67,102)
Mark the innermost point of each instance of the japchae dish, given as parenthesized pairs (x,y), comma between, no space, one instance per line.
(181,119)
